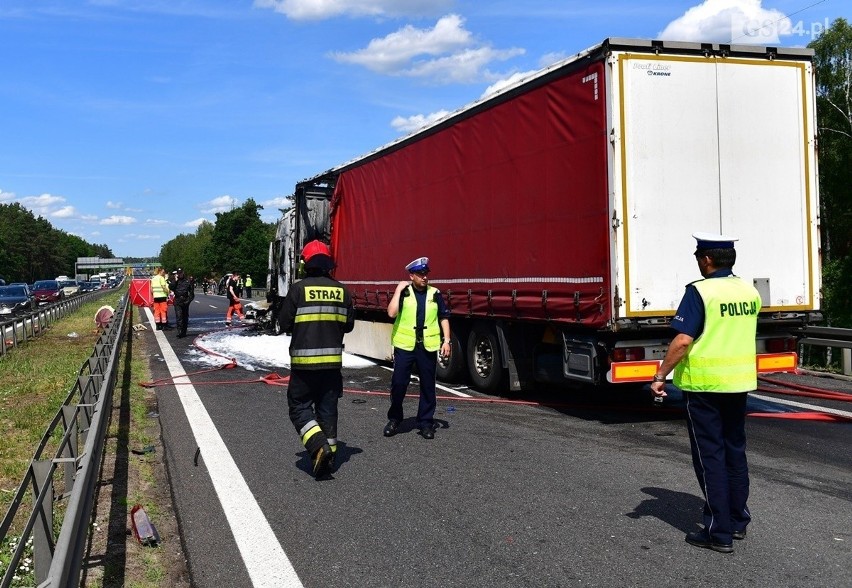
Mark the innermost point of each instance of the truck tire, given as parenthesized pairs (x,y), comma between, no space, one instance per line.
(276,321)
(450,369)
(485,360)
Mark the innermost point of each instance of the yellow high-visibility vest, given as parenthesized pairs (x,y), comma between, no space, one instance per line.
(722,358)
(404,331)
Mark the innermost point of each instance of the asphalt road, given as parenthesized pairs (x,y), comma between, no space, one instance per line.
(581,489)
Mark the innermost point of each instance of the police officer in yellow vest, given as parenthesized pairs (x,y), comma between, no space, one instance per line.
(421,329)
(714,361)
(318,311)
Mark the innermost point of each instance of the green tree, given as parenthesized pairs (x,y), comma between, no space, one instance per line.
(833,68)
(188,251)
(240,241)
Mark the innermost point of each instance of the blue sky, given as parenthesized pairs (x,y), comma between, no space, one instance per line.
(127,122)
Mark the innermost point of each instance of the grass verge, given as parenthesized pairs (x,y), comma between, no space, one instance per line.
(37,378)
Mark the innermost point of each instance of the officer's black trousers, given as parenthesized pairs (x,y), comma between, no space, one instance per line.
(182,316)
(403,362)
(716,423)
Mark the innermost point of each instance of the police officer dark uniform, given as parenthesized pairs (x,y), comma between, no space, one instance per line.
(317,311)
(420,316)
(713,357)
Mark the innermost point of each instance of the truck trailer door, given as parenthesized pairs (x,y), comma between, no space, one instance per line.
(719,145)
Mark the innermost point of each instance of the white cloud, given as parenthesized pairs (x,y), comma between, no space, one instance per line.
(729,21)
(220,204)
(446,53)
(155,221)
(7,196)
(194,223)
(139,237)
(114,205)
(322,9)
(118,220)
(418,121)
(279,202)
(64,212)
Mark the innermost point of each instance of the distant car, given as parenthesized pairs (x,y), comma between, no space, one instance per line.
(90,286)
(47,291)
(70,287)
(16,300)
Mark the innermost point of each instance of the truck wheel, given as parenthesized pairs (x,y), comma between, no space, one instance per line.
(276,321)
(485,360)
(450,368)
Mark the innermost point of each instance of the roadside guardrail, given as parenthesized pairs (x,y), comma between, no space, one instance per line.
(71,470)
(19,329)
(830,337)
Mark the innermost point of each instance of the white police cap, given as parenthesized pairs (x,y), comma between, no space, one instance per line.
(418,265)
(714,241)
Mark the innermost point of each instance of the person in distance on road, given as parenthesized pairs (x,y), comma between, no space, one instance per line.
(420,317)
(317,312)
(160,293)
(714,360)
(234,304)
(184,294)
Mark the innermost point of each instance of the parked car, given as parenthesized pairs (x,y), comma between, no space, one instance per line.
(70,287)
(16,300)
(46,291)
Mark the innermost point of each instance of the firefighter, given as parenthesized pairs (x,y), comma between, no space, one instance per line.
(234,303)
(420,316)
(317,312)
(713,357)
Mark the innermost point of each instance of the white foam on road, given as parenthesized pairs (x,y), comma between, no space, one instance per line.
(267,564)
(253,351)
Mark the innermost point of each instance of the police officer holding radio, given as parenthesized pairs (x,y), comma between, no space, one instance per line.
(713,357)
(318,311)
(421,316)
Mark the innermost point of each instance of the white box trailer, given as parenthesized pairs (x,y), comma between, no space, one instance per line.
(733,137)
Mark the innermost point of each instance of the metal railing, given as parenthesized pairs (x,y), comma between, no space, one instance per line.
(19,329)
(84,417)
(832,337)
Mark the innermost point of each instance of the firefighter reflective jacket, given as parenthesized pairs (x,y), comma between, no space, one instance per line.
(405,326)
(722,358)
(317,311)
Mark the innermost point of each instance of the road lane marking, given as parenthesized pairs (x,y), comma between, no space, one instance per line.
(813,407)
(437,385)
(267,564)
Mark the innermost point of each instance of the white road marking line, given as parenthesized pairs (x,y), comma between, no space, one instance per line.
(437,385)
(265,560)
(833,411)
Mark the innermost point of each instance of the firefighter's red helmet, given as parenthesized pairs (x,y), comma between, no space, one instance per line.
(315,247)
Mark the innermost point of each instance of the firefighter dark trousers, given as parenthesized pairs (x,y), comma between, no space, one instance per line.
(427,363)
(312,399)
(716,423)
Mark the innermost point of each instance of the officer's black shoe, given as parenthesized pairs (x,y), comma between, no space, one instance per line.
(323,460)
(390,428)
(702,539)
(167,327)
(739,535)
(427,432)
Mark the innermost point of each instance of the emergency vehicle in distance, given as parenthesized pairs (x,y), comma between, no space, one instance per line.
(557,214)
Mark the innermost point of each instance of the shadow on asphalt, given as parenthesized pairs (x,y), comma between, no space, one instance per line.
(677,509)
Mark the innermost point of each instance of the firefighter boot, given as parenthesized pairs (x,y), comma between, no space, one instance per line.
(323,459)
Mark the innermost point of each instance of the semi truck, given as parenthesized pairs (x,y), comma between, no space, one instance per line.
(557,213)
